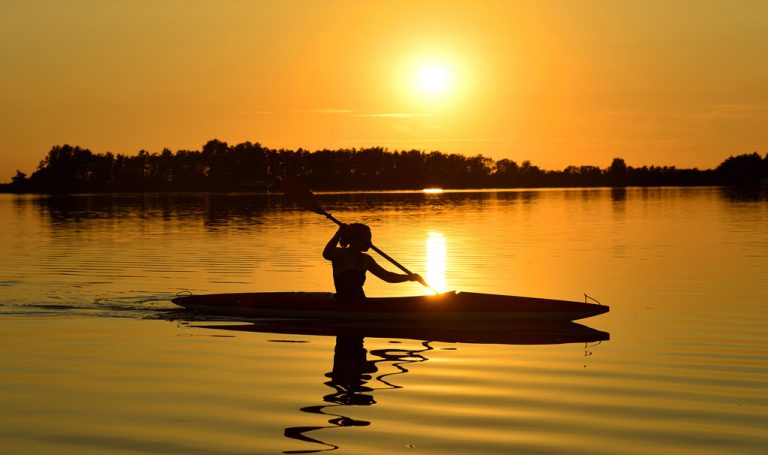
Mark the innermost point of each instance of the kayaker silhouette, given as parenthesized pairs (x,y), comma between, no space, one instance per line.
(346,251)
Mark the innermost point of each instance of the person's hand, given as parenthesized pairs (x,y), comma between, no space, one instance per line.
(417,277)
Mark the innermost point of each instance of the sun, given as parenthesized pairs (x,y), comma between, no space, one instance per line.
(434,79)
(431,84)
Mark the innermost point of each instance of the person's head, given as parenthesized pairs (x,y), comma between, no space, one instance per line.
(356,235)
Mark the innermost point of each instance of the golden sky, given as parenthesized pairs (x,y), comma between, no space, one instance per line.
(657,82)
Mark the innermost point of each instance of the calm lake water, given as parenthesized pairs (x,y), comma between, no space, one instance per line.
(95,358)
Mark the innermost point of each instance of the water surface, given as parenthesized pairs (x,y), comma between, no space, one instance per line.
(97,360)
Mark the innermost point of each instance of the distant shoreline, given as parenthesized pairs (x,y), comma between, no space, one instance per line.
(130,194)
(249,167)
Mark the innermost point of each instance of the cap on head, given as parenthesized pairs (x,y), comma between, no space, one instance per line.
(356,231)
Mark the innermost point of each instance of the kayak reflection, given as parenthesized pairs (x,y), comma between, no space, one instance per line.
(349,379)
(549,333)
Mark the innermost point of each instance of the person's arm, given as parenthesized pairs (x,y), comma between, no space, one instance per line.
(330,249)
(386,275)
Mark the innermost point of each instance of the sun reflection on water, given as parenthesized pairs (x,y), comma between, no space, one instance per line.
(436,261)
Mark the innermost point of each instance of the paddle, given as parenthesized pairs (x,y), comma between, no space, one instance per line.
(299,193)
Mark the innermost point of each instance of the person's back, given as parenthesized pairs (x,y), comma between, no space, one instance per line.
(349,275)
(345,251)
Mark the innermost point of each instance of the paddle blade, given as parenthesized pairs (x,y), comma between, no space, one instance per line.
(298,193)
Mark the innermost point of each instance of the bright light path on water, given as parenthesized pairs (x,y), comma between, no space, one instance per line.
(436,260)
(432,190)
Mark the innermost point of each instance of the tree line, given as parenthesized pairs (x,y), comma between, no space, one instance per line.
(250,166)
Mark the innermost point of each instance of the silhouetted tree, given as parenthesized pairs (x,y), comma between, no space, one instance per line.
(221,167)
(617,173)
(743,169)
(19,178)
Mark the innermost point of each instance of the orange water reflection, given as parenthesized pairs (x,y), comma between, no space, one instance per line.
(436,261)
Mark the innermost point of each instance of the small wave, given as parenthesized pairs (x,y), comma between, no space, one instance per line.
(139,306)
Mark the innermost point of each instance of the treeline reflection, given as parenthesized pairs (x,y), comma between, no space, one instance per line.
(234,208)
(215,209)
(212,209)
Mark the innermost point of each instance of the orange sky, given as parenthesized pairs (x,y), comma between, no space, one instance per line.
(679,82)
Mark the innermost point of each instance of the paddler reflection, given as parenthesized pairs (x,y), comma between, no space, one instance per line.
(357,374)
(349,378)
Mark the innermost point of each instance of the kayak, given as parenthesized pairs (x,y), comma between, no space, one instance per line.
(458,308)
(528,334)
